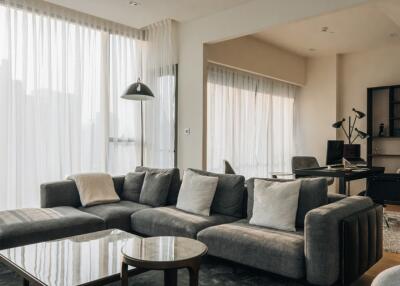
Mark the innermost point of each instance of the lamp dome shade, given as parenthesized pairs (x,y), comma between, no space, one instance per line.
(360,114)
(138,91)
(338,124)
(362,134)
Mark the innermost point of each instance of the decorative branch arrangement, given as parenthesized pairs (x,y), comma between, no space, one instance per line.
(352,128)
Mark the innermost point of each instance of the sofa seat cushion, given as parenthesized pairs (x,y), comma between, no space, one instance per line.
(116,215)
(276,251)
(26,226)
(171,221)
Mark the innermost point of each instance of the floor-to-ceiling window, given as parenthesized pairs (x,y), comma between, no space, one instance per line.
(249,122)
(61,77)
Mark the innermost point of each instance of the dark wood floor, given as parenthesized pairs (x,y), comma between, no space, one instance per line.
(388,260)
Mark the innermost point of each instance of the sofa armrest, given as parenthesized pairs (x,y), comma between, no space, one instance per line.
(361,244)
(322,234)
(65,193)
(61,193)
(333,197)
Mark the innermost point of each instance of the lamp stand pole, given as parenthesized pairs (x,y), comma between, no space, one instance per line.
(141,135)
(350,131)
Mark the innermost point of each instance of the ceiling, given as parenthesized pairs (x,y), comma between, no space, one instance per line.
(148,11)
(356,29)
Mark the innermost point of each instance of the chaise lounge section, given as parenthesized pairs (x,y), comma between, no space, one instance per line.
(26,226)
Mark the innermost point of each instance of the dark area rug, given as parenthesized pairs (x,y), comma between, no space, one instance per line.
(213,272)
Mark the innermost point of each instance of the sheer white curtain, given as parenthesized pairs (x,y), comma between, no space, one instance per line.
(61,77)
(249,122)
(160,73)
(125,68)
(154,60)
(51,111)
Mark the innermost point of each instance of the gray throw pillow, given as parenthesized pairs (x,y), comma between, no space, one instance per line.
(275,204)
(155,189)
(313,194)
(132,186)
(229,196)
(175,181)
(196,193)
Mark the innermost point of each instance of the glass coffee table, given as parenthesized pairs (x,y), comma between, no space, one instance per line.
(88,259)
(163,253)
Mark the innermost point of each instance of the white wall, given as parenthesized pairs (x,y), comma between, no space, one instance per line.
(251,54)
(245,19)
(316,108)
(357,72)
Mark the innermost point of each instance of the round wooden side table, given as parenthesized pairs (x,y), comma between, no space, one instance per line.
(165,253)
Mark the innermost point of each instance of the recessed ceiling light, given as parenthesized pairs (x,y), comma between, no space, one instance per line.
(133,3)
(326,30)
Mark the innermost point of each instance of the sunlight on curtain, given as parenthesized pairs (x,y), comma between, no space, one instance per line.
(61,77)
(125,68)
(249,122)
(160,73)
(50,106)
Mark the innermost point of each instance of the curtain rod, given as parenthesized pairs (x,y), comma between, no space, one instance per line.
(252,72)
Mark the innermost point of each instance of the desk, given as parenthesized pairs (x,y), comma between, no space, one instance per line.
(343,175)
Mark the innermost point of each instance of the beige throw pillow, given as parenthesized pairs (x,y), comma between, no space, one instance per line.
(95,188)
(275,204)
(196,193)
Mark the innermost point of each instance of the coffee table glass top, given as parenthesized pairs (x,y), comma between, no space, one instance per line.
(163,249)
(71,261)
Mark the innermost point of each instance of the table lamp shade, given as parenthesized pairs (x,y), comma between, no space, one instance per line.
(138,91)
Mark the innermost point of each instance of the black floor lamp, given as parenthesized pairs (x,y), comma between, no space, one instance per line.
(139,91)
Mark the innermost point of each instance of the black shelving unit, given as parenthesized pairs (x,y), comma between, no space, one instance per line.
(393,119)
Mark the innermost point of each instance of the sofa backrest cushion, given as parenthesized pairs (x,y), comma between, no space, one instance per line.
(132,186)
(155,189)
(228,199)
(175,182)
(313,194)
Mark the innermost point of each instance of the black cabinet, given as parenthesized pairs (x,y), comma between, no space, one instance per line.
(384,188)
(383,111)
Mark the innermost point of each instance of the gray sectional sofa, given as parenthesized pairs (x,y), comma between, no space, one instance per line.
(322,250)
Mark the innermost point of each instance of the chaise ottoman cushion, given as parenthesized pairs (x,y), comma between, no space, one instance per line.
(116,215)
(276,251)
(170,221)
(26,226)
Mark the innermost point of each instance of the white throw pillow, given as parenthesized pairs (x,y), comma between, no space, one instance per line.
(275,204)
(196,193)
(95,188)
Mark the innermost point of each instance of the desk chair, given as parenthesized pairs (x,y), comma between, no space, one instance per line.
(306,162)
(384,189)
(228,168)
